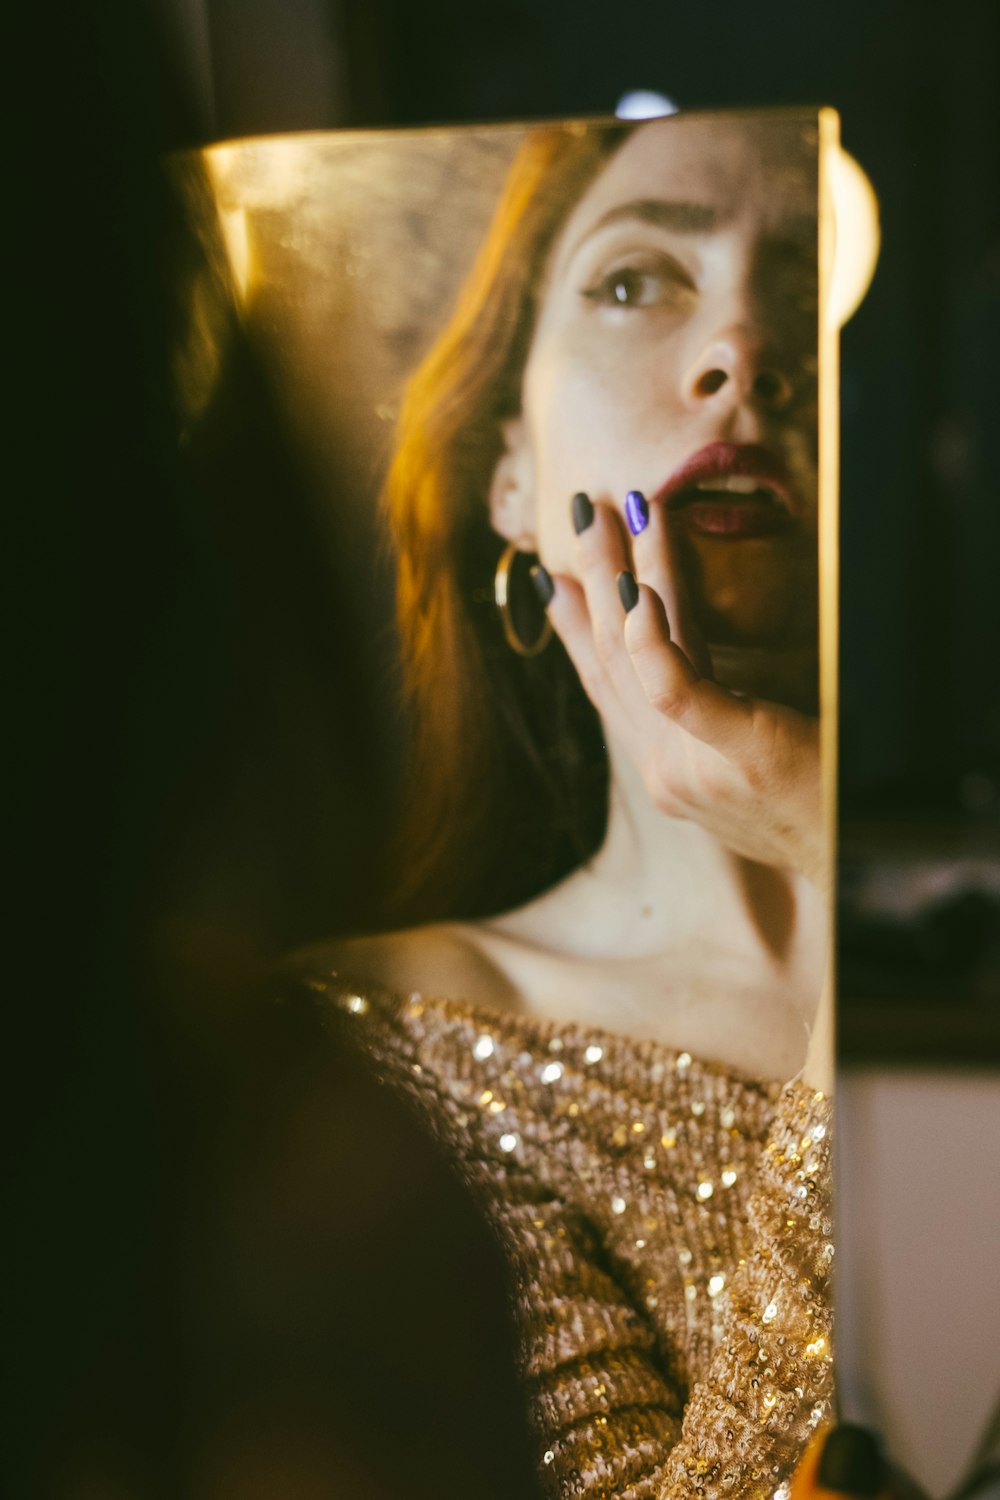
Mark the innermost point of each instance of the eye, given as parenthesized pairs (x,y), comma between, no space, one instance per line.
(639,285)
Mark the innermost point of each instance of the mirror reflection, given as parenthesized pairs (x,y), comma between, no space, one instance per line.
(571,373)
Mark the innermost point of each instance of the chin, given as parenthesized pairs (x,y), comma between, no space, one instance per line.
(757,604)
(789,676)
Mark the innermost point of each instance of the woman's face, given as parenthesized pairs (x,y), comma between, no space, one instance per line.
(675,353)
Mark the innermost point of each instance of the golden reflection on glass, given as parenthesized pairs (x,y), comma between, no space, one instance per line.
(643,1118)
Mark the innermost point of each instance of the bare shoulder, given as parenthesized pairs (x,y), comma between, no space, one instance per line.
(442,959)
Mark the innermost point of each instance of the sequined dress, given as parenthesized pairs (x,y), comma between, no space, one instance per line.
(667,1225)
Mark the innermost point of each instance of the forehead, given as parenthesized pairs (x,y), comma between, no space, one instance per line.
(761,169)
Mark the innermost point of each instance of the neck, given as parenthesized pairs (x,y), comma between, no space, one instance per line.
(658,883)
(665,932)
(667,880)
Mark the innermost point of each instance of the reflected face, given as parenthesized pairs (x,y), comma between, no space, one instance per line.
(675,353)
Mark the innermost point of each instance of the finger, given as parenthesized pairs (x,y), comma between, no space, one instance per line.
(566,606)
(673,687)
(601,555)
(657,560)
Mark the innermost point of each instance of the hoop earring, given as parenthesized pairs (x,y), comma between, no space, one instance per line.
(501,593)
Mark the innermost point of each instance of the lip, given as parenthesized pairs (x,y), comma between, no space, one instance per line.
(734,516)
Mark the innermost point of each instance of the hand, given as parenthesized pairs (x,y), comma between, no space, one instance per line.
(746,770)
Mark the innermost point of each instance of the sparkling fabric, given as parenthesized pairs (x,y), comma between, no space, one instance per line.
(667,1225)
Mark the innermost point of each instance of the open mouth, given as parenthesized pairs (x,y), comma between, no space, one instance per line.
(730,490)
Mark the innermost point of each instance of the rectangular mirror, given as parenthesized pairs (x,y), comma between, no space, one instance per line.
(559,406)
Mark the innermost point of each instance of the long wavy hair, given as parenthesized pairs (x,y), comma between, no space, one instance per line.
(506,777)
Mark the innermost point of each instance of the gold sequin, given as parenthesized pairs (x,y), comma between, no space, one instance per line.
(735,1280)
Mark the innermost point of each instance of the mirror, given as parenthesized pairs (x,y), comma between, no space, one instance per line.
(582,377)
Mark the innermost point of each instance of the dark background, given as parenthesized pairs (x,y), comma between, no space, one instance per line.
(190,787)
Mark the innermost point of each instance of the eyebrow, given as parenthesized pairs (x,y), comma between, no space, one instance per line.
(684,218)
(694,218)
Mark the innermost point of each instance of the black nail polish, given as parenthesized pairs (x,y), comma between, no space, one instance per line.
(542,579)
(628,591)
(583,512)
(852,1462)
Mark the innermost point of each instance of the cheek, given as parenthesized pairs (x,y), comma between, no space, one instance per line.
(566,408)
(598,420)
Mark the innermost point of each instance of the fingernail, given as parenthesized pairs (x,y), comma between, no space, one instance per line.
(542,579)
(583,512)
(636,511)
(628,591)
(852,1462)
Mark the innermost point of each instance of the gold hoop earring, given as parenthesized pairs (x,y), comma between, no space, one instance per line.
(501,592)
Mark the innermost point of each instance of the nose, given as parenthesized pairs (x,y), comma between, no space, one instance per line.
(737,367)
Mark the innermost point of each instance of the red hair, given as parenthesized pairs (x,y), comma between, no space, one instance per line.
(506,777)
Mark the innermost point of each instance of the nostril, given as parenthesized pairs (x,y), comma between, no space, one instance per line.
(711,381)
(769,386)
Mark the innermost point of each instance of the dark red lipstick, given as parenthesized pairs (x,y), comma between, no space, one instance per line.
(730,490)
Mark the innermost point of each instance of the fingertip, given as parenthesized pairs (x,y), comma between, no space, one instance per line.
(566,605)
(636,512)
(646,611)
(581,512)
(628,590)
(544,583)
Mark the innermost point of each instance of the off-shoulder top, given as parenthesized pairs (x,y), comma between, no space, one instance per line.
(667,1225)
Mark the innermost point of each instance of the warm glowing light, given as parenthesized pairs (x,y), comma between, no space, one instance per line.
(236,237)
(856,234)
(248,175)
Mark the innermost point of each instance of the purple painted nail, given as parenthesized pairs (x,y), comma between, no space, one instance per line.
(636,511)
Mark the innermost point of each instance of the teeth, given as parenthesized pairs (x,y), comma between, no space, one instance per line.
(736,484)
